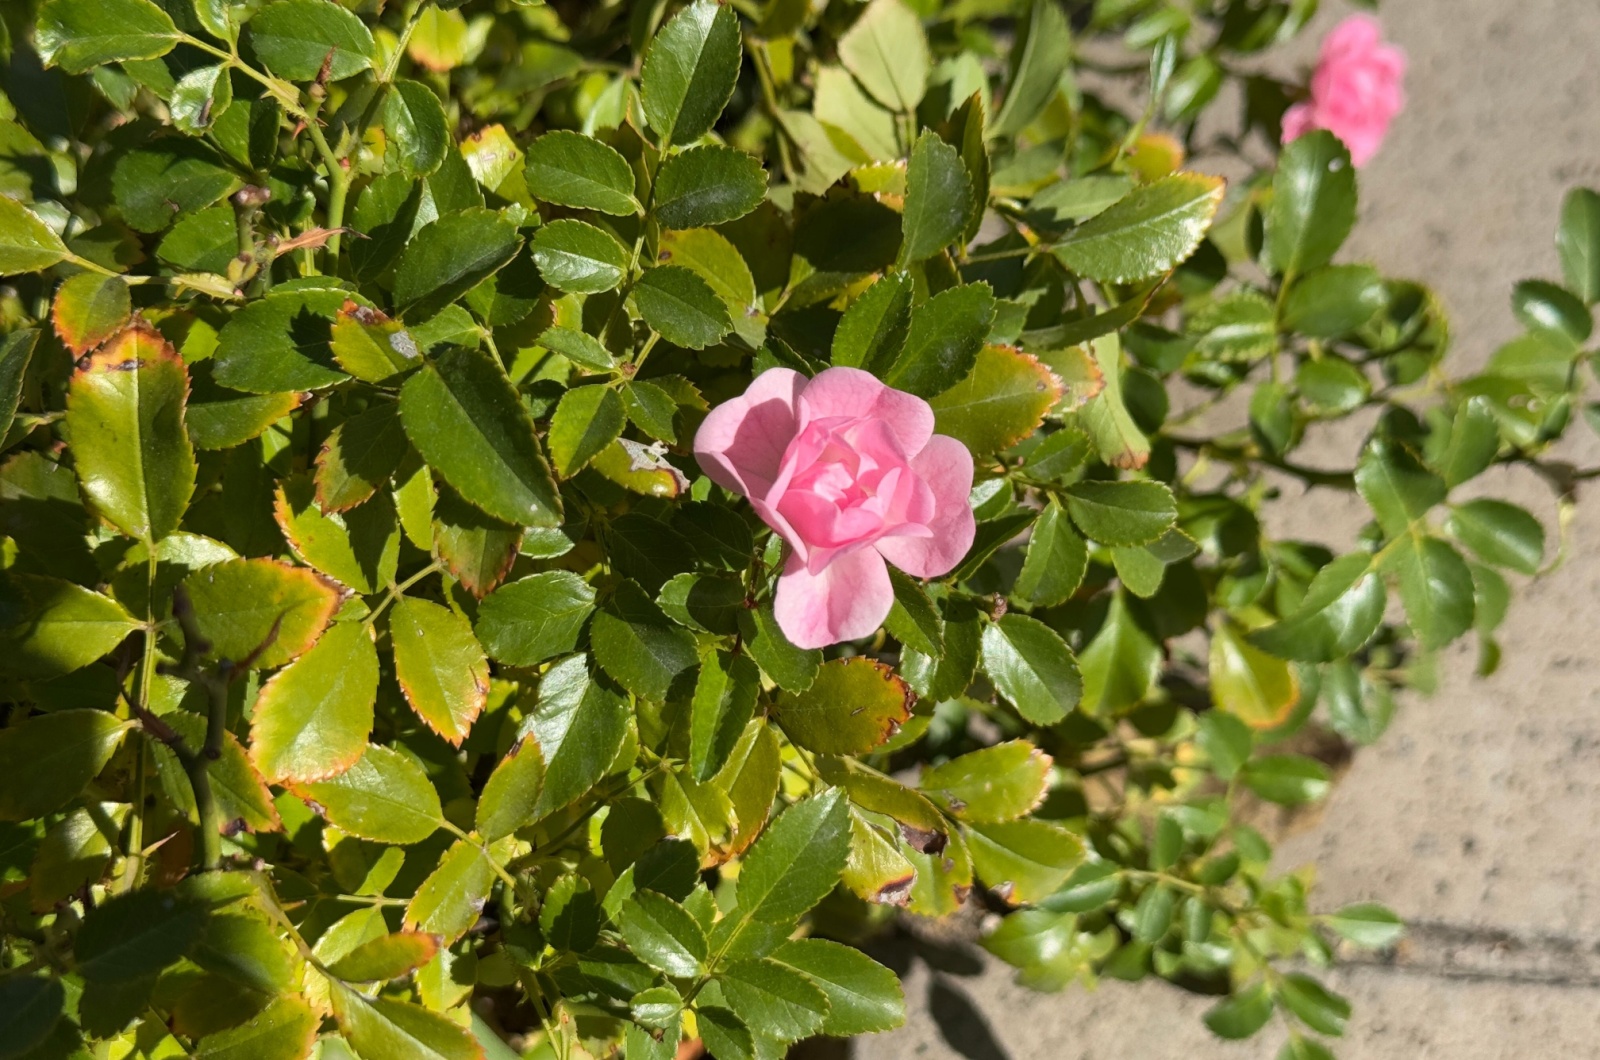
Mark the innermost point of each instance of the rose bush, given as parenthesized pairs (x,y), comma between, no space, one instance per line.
(539,528)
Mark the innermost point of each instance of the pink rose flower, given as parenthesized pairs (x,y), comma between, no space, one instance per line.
(849,472)
(1356,89)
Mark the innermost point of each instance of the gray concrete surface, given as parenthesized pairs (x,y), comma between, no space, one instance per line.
(1477,817)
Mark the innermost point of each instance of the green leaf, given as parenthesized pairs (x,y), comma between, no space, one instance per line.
(724,701)
(260,609)
(1500,534)
(16,350)
(783,1002)
(938,199)
(577,347)
(125,416)
(1544,306)
(78,34)
(1122,513)
(1105,417)
(991,785)
(570,914)
(1318,1008)
(887,51)
(680,305)
(510,797)
(465,418)
(1120,664)
(1038,61)
(46,761)
(477,549)
(1334,300)
(535,618)
(650,408)
(30,1006)
(853,706)
(863,996)
(384,797)
(136,934)
(382,1029)
(1435,587)
(88,309)
(588,419)
(360,455)
(1332,386)
(689,72)
(284,1030)
(312,719)
(1578,240)
(451,899)
(797,861)
(1026,859)
(248,950)
(790,668)
(415,122)
(299,39)
(1056,560)
(1367,924)
(873,329)
(27,244)
(570,169)
(1152,914)
(452,255)
(578,257)
(714,258)
(386,957)
(1248,683)
(708,185)
(280,344)
(580,723)
(219,418)
(1337,616)
(1002,400)
(1290,780)
(663,934)
(725,1035)
(359,548)
(58,626)
(1237,328)
(440,666)
(1313,203)
(943,340)
(1397,488)
(1151,231)
(1242,1014)
(200,97)
(1226,740)
(1032,667)
(638,645)
(913,620)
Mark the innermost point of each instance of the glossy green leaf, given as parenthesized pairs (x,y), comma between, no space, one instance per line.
(1056,560)
(1287,779)
(1367,924)
(790,668)
(125,409)
(259,609)
(1500,534)
(358,457)
(1120,664)
(1105,417)
(415,122)
(680,305)
(137,934)
(938,199)
(1038,60)
(773,996)
(1155,228)
(577,347)
(359,548)
(708,185)
(465,418)
(309,40)
(1313,203)
(312,719)
(853,706)
(88,309)
(724,1033)
(1258,688)
(578,257)
(1337,616)
(1032,667)
(913,620)
(1317,1007)
(570,169)
(280,343)
(49,759)
(863,996)
(1122,513)
(638,645)
(30,1006)
(535,618)
(450,900)
(570,914)
(724,700)
(1238,327)
(663,934)
(381,1029)
(580,722)
(992,784)
(689,72)
(1334,300)
(1242,1014)
(55,627)
(588,419)
(201,96)
(1001,401)
(797,861)
(1025,860)
(1331,385)
(887,51)
(452,255)
(510,797)
(386,957)
(874,327)
(440,666)
(78,34)
(1435,587)
(384,797)
(16,351)
(714,258)
(1578,240)
(284,1030)
(943,340)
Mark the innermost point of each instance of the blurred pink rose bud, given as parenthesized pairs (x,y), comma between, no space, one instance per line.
(1356,90)
(849,472)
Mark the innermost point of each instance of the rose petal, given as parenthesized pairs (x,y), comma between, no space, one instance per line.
(946,466)
(846,600)
(850,392)
(741,443)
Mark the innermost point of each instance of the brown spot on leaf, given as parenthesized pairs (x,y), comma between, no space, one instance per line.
(923,841)
(896,892)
